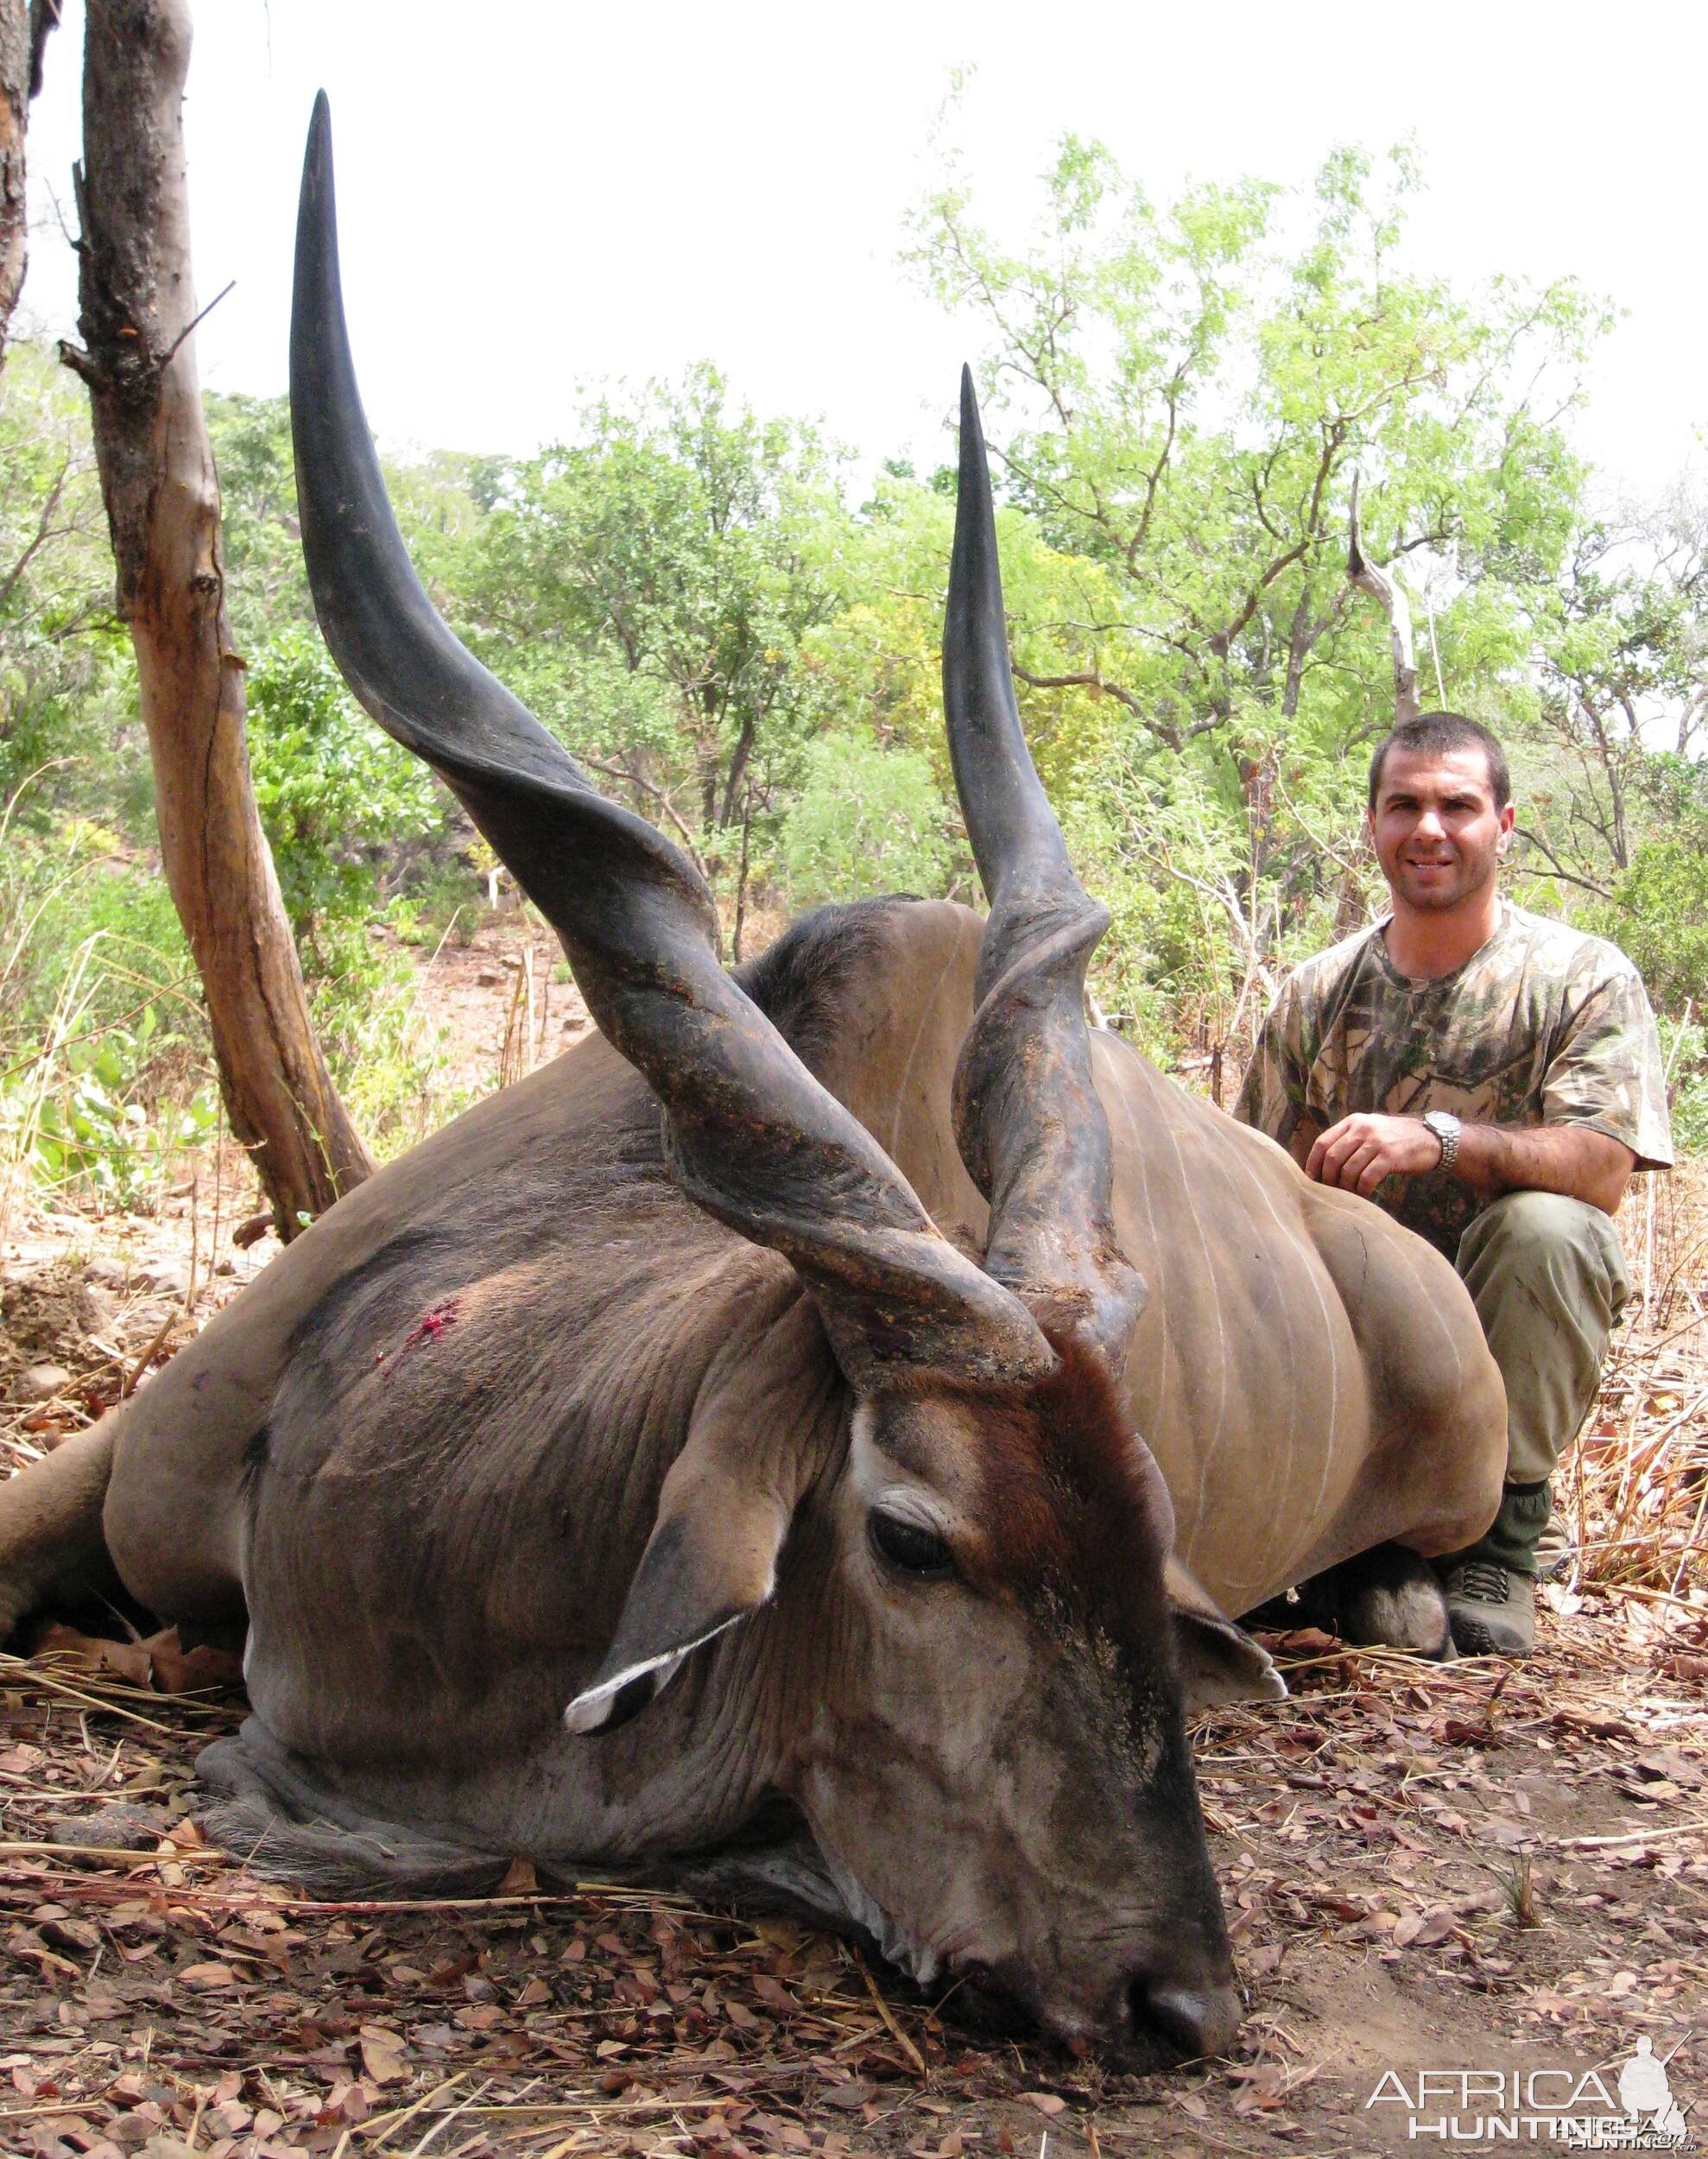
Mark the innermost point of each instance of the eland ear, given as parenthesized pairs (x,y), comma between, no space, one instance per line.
(760,1431)
(711,1561)
(1219,1661)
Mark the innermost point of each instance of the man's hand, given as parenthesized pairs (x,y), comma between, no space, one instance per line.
(1584,1164)
(1360,1151)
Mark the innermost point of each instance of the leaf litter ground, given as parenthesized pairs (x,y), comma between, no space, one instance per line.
(1481,1867)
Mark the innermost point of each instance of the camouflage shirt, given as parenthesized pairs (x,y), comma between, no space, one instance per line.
(1542,1026)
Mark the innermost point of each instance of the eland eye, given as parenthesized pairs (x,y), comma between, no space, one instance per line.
(906,1545)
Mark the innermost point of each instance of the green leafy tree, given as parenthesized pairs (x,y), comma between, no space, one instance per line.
(651,588)
(332,790)
(1182,395)
(1655,906)
(1177,397)
(64,664)
(866,821)
(1623,679)
(337,800)
(267,585)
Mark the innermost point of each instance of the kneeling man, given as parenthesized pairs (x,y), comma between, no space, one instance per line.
(1492,1078)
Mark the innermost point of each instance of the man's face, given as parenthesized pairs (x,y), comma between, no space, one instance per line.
(1435,828)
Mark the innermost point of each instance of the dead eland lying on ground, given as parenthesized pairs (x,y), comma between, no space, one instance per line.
(914,1367)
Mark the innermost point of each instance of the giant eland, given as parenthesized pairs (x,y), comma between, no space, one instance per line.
(815,1428)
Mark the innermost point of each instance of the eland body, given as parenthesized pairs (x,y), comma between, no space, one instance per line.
(909,1376)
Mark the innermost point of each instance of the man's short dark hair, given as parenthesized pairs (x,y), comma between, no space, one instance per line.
(1443,733)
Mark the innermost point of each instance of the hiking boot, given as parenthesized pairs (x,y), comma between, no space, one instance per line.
(1491,1610)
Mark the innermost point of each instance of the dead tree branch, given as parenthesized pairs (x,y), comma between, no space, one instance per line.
(1385,591)
(24,28)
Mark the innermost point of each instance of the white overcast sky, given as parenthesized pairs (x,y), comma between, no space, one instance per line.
(538,193)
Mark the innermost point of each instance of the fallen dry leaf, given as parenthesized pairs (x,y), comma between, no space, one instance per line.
(161,1661)
(181,1671)
(127,1661)
(846,2098)
(382,2055)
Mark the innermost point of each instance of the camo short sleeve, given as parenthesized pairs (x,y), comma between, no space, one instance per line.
(1607,1071)
(1542,1026)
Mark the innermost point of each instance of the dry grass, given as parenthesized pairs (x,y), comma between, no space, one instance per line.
(1635,1492)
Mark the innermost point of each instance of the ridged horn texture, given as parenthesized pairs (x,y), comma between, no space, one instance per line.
(1027,1119)
(751,1135)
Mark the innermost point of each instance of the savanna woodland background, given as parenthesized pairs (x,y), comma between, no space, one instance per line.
(744,648)
(1421,1864)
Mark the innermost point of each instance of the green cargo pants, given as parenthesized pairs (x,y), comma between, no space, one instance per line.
(1547,1277)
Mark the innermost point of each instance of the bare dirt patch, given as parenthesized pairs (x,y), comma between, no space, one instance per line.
(502,995)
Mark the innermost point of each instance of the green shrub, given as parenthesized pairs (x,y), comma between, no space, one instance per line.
(94,892)
(1659,916)
(332,791)
(104,1071)
(1684,1044)
(386,1061)
(103,1123)
(867,820)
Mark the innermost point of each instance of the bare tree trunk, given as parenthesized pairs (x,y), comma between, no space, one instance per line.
(24,27)
(741,880)
(136,311)
(14,118)
(737,773)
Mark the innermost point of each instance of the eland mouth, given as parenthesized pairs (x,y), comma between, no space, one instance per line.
(923,1964)
(1151,2022)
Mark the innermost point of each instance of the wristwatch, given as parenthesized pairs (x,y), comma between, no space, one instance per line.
(1446,1127)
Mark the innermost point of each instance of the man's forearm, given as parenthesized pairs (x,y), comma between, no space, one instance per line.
(1363,1151)
(1566,1158)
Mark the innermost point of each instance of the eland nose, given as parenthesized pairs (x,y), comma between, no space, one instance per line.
(1197,2019)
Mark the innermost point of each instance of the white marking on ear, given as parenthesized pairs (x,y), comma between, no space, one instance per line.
(591,1708)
